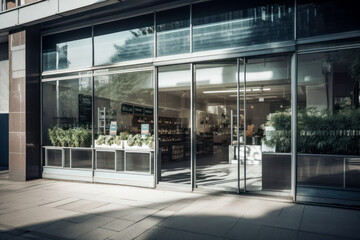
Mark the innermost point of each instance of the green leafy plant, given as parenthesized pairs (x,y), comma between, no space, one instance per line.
(149,141)
(281,136)
(118,140)
(135,140)
(74,137)
(124,135)
(110,140)
(101,140)
(319,131)
(52,136)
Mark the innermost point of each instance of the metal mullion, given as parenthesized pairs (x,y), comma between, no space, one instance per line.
(156,135)
(191,30)
(238,122)
(245,116)
(192,132)
(155,36)
(293,125)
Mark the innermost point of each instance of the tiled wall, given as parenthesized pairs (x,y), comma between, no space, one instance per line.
(17,107)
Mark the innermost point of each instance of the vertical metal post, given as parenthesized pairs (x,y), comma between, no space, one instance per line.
(245,126)
(231,127)
(157,160)
(191,30)
(92,104)
(293,125)
(344,174)
(155,36)
(41,110)
(238,121)
(193,125)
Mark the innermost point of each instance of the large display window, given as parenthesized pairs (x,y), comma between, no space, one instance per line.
(328,140)
(67,121)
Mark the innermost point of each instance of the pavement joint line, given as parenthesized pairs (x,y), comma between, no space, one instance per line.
(205,234)
(330,235)
(302,216)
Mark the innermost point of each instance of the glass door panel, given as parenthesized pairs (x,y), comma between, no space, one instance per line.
(174,123)
(216,100)
(268,123)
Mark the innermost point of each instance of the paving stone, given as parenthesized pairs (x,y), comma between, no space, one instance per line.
(97,234)
(118,224)
(160,233)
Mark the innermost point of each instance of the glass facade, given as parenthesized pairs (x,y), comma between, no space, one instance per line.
(217,25)
(328,140)
(223,122)
(71,49)
(316,17)
(124,40)
(173,31)
(67,112)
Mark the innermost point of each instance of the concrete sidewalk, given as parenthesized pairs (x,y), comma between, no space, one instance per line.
(45,209)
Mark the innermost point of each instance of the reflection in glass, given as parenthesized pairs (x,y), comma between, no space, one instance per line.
(328,118)
(173,31)
(317,17)
(116,95)
(67,112)
(216,100)
(174,123)
(124,40)
(218,25)
(71,49)
(268,123)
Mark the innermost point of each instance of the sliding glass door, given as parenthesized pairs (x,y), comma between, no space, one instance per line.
(216,105)
(241,124)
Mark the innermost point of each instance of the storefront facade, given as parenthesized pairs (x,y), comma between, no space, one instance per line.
(249,98)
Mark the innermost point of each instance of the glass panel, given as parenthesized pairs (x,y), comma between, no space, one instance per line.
(125,100)
(67,112)
(67,157)
(105,160)
(120,160)
(81,158)
(71,49)
(317,17)
(216,98)
(174,123)
(54,158)
(329,118)
(218,25)
(173,31)
(137,162)
(124,40)
(268,123)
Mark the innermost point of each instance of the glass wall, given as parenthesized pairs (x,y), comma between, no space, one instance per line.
(67,122)
(317,17)
(217,25)
(67,112)
(124,98)
(124,40)
(173,31)
(328,140)
(216,102)
(174,83)
(268,123)
(65,50)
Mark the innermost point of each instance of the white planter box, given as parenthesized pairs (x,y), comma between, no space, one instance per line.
(144,147)
(110,146)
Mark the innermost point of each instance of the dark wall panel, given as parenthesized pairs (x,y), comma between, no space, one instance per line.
(4,140)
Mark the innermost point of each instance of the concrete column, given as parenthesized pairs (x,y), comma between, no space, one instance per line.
(24,105)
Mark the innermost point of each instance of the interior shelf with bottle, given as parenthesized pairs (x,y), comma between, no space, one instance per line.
(173,138)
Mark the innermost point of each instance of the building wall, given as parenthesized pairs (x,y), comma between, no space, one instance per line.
(4,105)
